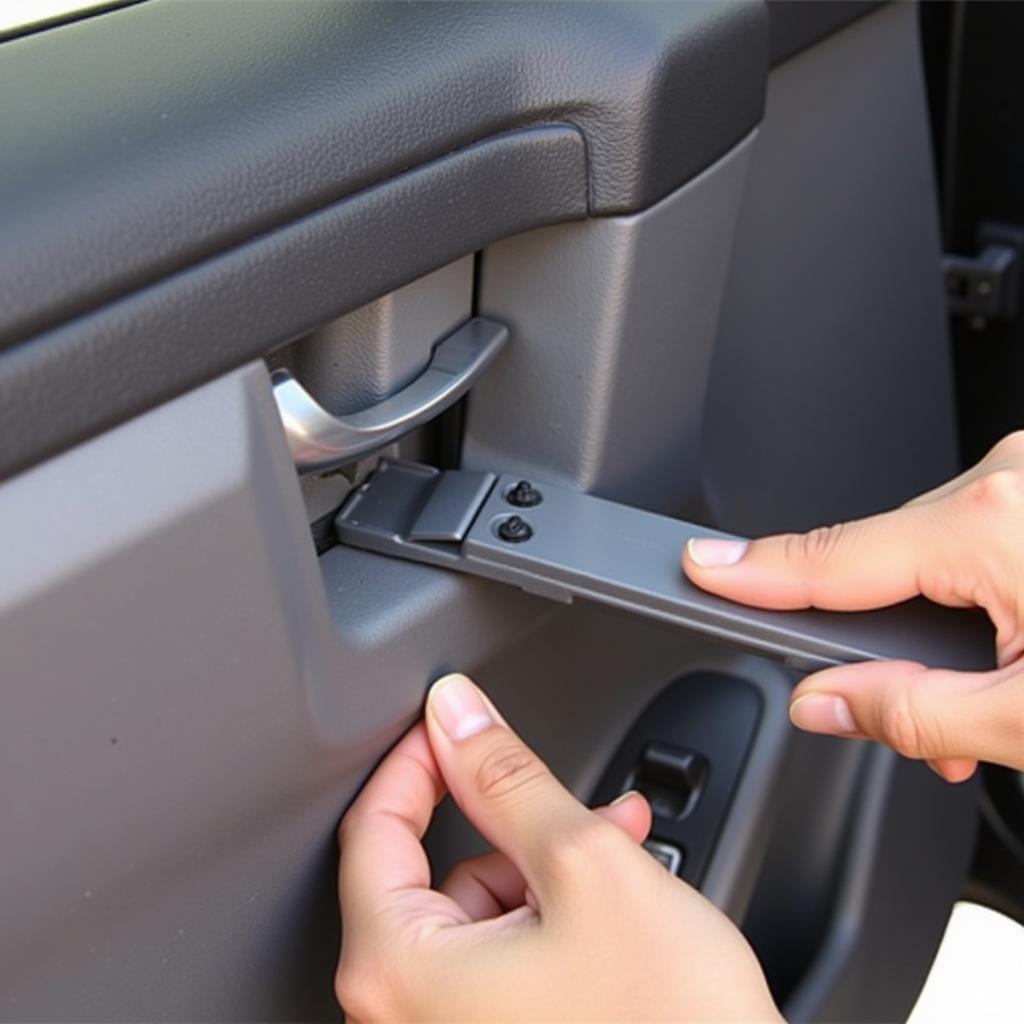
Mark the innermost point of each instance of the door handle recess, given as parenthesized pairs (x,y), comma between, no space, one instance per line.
(319,440)
(561,544)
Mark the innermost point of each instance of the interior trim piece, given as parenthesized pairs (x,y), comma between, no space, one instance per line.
(22,20)
(606,314)
(101,369)
(287,163)
(562,545)
(885,913)
(138,143)
(688,752)
(319,440)
(799,24)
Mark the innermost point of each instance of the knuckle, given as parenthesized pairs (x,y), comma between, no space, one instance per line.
(462,876)
(344,831)
(458,874)
(348,825)
(819,545)
(1001,490)
(507,768)
(582,851)
(357,992)
(902,728)
(1012,445)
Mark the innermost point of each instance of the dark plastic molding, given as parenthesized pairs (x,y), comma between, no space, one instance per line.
(100,369)
(139,142)
(184,186)
(798,24)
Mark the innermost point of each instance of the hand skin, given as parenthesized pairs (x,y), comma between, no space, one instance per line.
(570,919)
(961,544)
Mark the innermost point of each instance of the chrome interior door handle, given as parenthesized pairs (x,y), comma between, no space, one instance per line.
(319,440)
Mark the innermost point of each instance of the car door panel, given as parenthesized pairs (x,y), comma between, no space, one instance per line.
(702,323)
(833,337)
(186,713)
(604,324)
(440,108)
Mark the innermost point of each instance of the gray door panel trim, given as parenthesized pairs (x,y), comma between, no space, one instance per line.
(139,142)
(798,24)
(90,374)
(866,324)
(605,313)
(190,700)
(886,912)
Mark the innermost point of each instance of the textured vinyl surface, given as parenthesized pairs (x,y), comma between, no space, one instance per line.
(142,140)
(97,370)
(160,161)
(798,24)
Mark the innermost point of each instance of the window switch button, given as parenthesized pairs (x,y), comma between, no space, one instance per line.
(670,857)
(671,778)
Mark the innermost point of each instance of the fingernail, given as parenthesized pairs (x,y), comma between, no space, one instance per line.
(623,797)
(714,553)
(822,712)
(459,707)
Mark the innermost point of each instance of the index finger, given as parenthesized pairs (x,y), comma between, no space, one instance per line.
(380,835)
(853,566)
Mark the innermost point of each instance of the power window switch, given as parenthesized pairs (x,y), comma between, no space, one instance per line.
(668,856)
(671,778)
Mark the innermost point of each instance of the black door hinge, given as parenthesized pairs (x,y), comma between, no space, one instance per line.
(986,287)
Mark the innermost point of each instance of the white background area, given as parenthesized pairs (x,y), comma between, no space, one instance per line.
(978,975)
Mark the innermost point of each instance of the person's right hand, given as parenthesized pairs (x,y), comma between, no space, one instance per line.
(961,544)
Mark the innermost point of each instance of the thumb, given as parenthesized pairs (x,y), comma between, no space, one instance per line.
(952,718)
(501,785)
(866,563)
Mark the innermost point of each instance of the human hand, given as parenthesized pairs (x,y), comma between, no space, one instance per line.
(962,545)
(569,920)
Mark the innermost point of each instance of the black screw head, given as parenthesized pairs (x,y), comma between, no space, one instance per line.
(523,495)
(515,530)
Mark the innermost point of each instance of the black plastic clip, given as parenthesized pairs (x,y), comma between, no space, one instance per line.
(986,287)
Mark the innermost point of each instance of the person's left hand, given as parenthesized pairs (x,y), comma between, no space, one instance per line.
(570,920)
